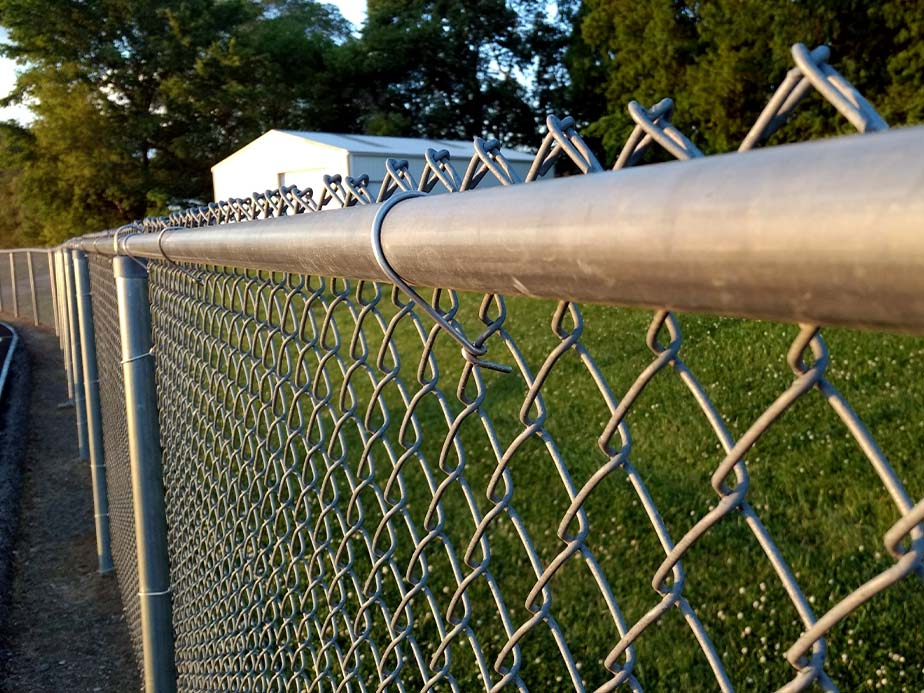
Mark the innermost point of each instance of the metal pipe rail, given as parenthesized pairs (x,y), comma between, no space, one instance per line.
(298,499)
(826,232)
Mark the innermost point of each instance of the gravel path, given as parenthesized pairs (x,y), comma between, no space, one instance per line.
(14,424)
(61,628)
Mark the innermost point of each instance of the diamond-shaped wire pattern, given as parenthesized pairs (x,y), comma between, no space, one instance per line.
(32,298)
(115,440)
(351,505)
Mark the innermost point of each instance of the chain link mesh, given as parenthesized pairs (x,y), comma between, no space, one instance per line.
(41,269)
(33,295)
(115,441)
(352,506)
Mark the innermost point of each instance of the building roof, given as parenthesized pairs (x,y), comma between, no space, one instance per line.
(399,146)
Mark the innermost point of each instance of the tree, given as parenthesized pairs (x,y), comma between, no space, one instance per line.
(135,99)
(17,227)
(78,173)
(273,72)
(445,68)
(721,60)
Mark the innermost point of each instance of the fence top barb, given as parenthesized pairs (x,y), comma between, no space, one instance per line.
(826,232)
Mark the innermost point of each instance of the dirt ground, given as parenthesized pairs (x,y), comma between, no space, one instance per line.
(61,626)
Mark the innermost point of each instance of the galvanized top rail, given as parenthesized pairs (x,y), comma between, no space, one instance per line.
(828,232)
(308,490)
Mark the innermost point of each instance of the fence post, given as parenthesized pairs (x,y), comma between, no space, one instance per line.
(147,475)
(61,276)
(13,282)
(74,356)
(53,289)
(59,289)
(94,420)
(35,313)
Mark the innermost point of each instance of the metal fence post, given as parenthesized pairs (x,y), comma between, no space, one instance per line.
(1,297)
(147,475)
(63,335)
(74,356)
(94,420)
(55,277)
(53,289)
(35,310)
(13,283)
(59,291)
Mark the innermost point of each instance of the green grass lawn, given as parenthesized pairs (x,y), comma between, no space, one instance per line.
(810,484)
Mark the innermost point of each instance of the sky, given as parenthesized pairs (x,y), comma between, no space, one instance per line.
(7,79)
(353,10)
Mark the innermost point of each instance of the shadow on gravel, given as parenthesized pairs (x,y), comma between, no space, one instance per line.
(14,422)
(61,623)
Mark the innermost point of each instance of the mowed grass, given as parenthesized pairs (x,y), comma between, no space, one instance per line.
(811,485)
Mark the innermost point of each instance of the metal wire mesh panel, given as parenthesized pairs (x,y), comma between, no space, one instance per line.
(319,525)
(33,296)
(115,441)
(40,268)
(352,504)
(23,293)
(6,283)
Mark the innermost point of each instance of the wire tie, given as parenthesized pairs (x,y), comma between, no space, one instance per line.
(138,357)
(125,253)
(471,352)
(115,237)
(160,248)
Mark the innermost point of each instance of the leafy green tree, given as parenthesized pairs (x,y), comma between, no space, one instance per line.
(274,72)
(80,173)
(135,99)
(446,68)
(721,60)
(17,227)
(903,100)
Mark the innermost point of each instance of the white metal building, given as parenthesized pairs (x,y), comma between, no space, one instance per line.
(292,157)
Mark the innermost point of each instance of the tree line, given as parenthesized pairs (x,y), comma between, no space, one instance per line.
(134,100)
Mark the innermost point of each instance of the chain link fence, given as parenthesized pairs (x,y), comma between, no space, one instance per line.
(115,440)
(353,505)
(27,287)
